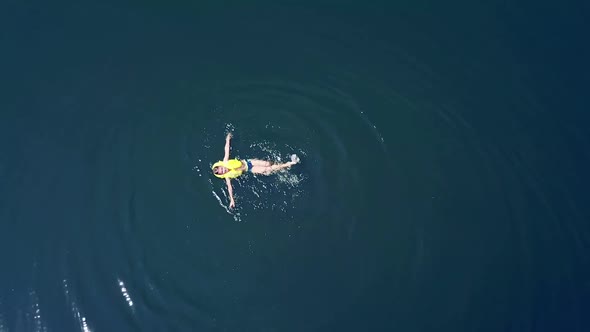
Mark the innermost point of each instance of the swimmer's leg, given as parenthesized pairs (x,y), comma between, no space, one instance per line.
(278,167)
(266,168)
(258,162)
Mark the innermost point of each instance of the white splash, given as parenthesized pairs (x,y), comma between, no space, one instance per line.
(125,293)
(229,128)
(235,215)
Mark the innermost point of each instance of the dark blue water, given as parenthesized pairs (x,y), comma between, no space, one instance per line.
(442,186)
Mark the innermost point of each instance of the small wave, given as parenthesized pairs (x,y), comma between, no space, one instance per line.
(38,325)
(125,293)
(78,316)
(3,327)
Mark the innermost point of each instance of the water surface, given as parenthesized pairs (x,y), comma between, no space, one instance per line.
(442,184)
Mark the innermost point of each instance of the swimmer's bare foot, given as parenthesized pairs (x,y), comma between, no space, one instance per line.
(295,159)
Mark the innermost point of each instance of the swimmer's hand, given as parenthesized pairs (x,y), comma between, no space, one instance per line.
(232,204)
(228,137)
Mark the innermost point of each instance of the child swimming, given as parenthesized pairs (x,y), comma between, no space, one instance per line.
(232,168)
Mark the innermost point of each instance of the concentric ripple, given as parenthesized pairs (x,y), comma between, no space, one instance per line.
(180,253)
(319,123)
(441,186)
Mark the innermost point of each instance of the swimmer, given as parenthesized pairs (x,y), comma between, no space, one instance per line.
(232,168)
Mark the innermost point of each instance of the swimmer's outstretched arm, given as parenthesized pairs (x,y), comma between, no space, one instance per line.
(227,139)
(232,203)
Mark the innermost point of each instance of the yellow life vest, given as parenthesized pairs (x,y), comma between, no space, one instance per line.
(233,165)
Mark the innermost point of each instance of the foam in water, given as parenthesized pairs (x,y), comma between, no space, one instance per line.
(235,215)
(229,128)
(281,186)
(196,168)
(271,153)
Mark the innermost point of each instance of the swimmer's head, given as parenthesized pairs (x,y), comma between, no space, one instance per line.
(219,170)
